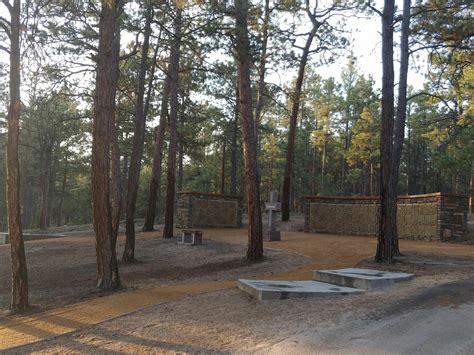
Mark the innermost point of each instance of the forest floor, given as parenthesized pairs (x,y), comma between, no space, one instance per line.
(184,299)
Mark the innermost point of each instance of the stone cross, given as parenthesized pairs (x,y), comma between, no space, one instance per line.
(273,206)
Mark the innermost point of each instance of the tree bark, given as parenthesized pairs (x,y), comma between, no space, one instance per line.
(471,189)
(180,156)
(137,149)
(399,129)
(123,183)
(104,112)
(235,129)
(223,168)
(386,232)
(45,164)
(262,70)
(63,191)
(313,171)
(19,292)
(290,151)
(371,184)
(171,173)
(155,181)
(323,168)
(115,178)
(115,182)
(255,239)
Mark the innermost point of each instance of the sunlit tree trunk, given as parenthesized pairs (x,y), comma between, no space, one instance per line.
(137,149)
(104,112)
(261,70)
(115,178)
(235,128)
(386,228)
(19,292)
(290,150)
(255,240)
(171,173)
(399,128)
(155,180)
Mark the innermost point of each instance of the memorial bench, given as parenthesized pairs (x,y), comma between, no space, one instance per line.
(190,237)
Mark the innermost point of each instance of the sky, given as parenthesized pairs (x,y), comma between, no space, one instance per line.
(366,45)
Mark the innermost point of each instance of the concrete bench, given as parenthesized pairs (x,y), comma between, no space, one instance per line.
(190,237)
(4,238)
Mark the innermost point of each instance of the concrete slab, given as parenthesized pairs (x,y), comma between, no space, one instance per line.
(30,236)
(365,279)
(265,290)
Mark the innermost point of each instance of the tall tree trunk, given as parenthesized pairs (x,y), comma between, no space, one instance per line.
(323,168)
(290,150)
(346,148)
(223,168)
(45,163)
(63,191)
(155,181)
(19,292)
(137,149)
(180,157)
(123,183)
(116,185)
(104,112)
(371,185)
(399,128)
(235,129)
(171,173)
(115,182)
(313,171)
(52,193)
(255,239)
(386,229)
(261,70)
(471,189)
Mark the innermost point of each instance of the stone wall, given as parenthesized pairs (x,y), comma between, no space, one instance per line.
(205,210)
(428,217)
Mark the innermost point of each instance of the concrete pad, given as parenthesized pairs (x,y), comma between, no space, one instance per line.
(265,290)
(365,279)
(39,236)
(30,236)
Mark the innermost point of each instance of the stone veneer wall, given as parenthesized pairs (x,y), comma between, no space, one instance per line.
(204,210)
(434,216)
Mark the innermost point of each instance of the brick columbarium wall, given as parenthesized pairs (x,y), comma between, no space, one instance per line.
(435,216)
(205,210)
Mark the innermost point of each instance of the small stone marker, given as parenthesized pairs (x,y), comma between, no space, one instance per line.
(191,237)
(272,207)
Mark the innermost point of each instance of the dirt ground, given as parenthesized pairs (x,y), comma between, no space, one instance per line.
(62,270)
(230,321)
(227,320)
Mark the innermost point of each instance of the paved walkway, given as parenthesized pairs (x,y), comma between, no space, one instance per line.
(326,251)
